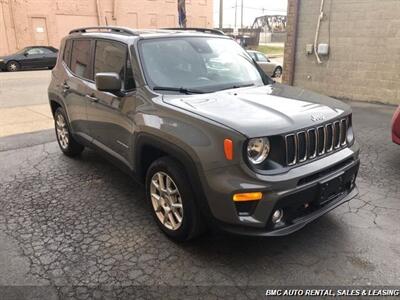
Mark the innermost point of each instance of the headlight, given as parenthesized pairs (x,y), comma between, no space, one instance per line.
(350,136)
(258,150)
(1,60)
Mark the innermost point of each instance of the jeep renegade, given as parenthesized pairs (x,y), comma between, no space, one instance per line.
(214,140)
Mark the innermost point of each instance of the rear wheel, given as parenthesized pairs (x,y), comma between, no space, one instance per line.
(171,200)
(68,145)
(13,66)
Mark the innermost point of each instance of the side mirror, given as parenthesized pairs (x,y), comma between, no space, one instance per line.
(108,82)
(26,54)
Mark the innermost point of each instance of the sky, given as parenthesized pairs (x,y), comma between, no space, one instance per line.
(252,9)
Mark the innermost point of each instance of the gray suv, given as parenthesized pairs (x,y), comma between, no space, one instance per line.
(214,140)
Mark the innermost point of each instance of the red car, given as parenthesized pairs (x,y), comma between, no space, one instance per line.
(396,126)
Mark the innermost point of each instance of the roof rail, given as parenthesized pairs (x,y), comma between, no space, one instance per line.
(204,30)
(104,28)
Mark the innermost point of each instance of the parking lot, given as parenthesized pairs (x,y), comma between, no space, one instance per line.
(81,228)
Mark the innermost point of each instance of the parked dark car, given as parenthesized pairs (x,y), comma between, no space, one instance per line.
(37,57)
(214,140)
(396,126)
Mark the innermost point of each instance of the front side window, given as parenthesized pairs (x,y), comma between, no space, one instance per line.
(111,57)
(253,55)
(80,58)
(203,63)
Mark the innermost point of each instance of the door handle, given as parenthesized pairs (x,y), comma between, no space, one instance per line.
(92,98)
(65,87)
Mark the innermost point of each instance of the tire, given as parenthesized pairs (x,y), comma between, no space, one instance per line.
(176,200)
(68,145)
(13,66)
(277,72)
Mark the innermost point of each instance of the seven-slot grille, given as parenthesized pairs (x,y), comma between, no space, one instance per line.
(313,142)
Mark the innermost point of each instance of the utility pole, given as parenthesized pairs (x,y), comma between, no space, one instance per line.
(241,12)
(221,14)
(236,13)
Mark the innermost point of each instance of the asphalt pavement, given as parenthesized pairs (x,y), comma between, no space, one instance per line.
(80,228)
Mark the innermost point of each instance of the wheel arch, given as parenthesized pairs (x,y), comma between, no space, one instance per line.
(149,148)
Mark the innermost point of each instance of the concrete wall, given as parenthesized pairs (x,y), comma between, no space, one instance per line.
(276,37)
(364,59)
(32,22)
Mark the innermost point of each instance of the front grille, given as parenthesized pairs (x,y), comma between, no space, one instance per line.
(314,142)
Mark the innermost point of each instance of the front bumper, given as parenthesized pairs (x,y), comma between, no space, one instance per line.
(296,224)
(300,193)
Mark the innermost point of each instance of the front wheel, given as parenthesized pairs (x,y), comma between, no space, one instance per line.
(171,200)
(13,66)
(68,145)
(277,72)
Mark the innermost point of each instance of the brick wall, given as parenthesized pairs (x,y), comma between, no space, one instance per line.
(364,59)
(32,22)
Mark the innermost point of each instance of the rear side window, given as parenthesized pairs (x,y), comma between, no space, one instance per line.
(80,58)
(47,51)
(67,52)
(112,57)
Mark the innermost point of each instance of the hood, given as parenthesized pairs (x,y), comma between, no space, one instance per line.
(6,57)
(263,111)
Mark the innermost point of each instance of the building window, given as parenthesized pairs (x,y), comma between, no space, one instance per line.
(203,22)
(153,18)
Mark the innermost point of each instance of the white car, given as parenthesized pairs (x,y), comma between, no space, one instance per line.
(270,68)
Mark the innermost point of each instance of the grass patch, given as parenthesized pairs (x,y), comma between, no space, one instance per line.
(271,50)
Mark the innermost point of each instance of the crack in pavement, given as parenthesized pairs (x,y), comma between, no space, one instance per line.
(85,228)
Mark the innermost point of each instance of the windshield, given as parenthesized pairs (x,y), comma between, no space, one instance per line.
(203,64)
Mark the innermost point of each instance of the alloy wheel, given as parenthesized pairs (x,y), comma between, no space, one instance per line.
(13,67)
(278,73)
(166,200)
(62,131)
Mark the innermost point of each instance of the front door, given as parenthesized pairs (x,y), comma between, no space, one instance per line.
(33,58)
(108,114)
(265,64)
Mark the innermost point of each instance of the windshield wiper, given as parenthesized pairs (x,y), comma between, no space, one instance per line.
(181,90)
(238,86)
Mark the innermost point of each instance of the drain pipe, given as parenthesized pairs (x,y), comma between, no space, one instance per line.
(320,17)
(98,12)
(114,16)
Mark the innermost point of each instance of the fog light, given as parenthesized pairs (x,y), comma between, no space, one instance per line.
(277,216)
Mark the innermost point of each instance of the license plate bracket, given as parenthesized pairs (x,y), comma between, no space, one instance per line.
(331,189)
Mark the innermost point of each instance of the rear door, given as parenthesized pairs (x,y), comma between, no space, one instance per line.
(49,58)
(108,114)
(77,83)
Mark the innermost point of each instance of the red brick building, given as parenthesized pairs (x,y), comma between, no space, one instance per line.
(45,22)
